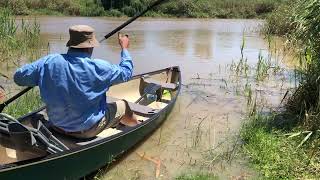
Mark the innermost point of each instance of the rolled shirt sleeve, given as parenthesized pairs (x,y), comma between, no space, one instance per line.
(28,75)
(122,72)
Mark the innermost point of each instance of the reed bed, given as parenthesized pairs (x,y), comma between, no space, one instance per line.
(285,144)
(19,43)
(305,102)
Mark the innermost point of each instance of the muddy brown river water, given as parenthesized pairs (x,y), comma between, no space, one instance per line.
(208,115)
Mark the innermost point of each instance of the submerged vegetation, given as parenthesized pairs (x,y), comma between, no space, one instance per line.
(285,144)
(177,8)
(197,177)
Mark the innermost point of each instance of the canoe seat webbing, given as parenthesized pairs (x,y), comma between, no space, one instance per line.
(137,108)
(167,86)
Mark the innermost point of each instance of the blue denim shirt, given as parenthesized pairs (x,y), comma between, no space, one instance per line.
(73,86)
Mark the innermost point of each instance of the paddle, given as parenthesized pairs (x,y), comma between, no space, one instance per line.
(156,3)
(3,105)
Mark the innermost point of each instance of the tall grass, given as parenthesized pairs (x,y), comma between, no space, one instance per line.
(305,102)
(275,155)
(19,42)
(285,145)
(299,24)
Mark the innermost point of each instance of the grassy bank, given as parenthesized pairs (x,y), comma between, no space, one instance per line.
(285,144)
(277,153)
(177,8)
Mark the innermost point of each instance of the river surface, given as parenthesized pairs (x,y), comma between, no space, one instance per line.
(210,110)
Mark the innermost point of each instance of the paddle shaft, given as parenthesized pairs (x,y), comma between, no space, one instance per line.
(3,105)
(156,3)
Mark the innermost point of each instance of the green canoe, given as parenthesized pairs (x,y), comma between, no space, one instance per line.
(29,152)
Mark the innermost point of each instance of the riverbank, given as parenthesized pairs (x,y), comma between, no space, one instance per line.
(179,8)
(284,144)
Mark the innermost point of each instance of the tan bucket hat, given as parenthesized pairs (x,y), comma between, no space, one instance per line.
(82,36)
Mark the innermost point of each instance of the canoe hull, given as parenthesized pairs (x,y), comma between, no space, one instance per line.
(79,163)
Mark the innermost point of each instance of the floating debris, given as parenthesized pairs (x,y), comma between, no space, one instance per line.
(156,161)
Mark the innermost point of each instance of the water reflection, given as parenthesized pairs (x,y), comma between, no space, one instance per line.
(157,43)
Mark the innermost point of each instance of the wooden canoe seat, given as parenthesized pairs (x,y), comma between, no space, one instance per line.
(136,108)
(166,86)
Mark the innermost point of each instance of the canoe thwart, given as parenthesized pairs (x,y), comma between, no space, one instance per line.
(137,108)
(165,86)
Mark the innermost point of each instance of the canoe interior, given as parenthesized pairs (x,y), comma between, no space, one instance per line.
(130,91)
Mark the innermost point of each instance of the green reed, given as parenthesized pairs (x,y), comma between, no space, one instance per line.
(263,67)
(8,26)
(18,41)
(285,144)
(19,44)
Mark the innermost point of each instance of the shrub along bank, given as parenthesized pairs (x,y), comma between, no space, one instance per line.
(55,7)
(174,8)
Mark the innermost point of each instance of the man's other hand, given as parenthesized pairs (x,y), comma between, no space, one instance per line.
(123,40)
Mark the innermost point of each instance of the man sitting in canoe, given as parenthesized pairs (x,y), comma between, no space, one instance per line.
(73,85)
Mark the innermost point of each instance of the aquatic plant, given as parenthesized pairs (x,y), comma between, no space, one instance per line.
(263,67)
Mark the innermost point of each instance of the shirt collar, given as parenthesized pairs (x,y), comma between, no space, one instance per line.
(76,53)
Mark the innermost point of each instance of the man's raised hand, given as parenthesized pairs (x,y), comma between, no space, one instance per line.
(123,40)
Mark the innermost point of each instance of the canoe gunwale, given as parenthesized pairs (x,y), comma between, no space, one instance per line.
(102,141)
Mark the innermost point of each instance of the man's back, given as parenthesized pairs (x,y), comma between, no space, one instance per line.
(73,86)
